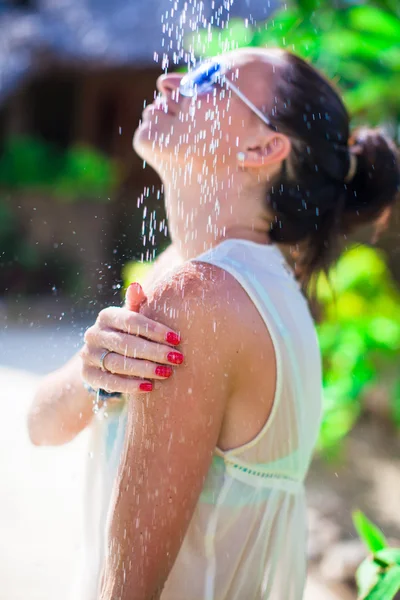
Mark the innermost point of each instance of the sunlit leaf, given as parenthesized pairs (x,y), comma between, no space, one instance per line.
(309,6)
(336,425)
(338,393)
(351,305)
(367,94)
(283,22)
(351,70)
(344,42)
(387,587)
(394,399)
(359,265)
(304,40)
(327,336)
(370,19)
(363,374)
(275,31)
(372,537)
(135,272)
(203,43)
(391,58)
(206,43)
(390,556)
(367,577)
(79,172)
(385,331)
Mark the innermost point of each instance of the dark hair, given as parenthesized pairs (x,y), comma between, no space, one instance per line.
(310,200)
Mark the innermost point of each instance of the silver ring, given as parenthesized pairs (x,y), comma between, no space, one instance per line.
(102,359)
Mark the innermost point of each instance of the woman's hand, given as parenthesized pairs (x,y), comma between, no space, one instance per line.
(140,349)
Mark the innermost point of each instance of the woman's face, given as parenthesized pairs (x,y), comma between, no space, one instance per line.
(211,127)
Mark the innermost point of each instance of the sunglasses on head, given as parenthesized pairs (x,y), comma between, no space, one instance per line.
(204,78)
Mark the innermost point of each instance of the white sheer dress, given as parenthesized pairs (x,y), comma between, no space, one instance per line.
(246,540)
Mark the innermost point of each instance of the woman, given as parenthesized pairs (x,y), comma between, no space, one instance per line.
(254,150)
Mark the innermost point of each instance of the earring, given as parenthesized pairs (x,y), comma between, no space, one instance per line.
(241,156)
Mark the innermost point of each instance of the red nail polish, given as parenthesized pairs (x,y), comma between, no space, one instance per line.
(136,285)
(175,357)
(146,387)
(173,338)
(164,371)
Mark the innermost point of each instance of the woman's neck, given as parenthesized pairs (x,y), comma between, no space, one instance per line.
(189,248)
(198,222)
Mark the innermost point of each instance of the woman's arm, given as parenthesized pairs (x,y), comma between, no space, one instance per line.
(62,407)
(171,437)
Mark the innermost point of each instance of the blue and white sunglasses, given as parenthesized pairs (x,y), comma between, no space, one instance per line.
(203,79)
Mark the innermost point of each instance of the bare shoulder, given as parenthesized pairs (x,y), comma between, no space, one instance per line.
(211,311)
(196,292)
(224,340)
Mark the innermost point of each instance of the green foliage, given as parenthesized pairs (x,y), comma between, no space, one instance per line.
(80,172)
(378,576)
(13,245)
(368,532)
(357,45)
(359,338)
(135,272)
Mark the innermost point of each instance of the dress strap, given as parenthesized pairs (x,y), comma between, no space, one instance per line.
(276,329)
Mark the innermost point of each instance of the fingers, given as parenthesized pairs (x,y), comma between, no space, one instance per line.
(131,346)
(139,349)
(114,383)
(129,367)
(134,297)
(134,347)
(134,323)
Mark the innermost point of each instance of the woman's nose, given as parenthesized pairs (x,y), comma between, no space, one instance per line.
(169,84)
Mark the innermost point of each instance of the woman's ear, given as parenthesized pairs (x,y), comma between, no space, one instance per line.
(278,149)
(273,150)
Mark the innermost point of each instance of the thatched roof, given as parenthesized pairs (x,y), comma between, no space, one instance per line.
(105,32)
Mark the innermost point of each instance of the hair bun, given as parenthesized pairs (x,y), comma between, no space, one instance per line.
(376,180)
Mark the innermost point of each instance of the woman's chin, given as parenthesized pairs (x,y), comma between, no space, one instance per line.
(143,143)
(141,139)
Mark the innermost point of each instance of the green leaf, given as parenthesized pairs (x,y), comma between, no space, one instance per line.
(385,331)
(390,58)
(308,6)
(336,424)
(207,43)
(344,43)
(394,399)
(390,556)
(28,163)
(351,70)
(275,30)
(387,587)
(367,577)
(304,40)
(203,43)
(360,265)
(372,537)
(370,19)
(135,271)
(368,93)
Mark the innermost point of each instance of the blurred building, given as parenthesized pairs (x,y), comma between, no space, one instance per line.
(78,72)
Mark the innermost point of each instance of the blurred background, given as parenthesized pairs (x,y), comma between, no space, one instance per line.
(81,215)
